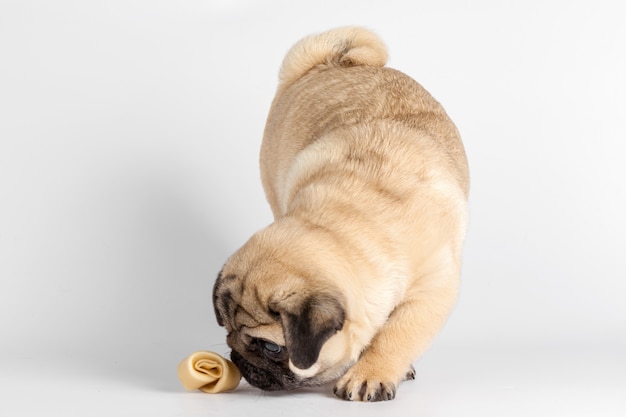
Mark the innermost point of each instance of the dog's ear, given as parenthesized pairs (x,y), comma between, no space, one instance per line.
(308,322)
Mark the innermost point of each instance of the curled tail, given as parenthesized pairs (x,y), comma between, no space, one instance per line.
(342,47)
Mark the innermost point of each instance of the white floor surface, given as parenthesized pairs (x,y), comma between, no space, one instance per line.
(450,382)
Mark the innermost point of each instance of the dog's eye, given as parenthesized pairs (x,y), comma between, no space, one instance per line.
(271,347)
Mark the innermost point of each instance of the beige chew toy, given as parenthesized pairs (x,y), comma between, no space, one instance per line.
(208,372)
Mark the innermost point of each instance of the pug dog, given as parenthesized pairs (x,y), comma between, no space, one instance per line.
(368,182)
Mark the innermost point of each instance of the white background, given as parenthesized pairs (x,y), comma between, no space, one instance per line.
(129,138)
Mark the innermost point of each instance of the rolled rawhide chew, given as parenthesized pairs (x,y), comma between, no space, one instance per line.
(208,372)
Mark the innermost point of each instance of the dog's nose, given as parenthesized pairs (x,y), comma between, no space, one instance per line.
(256,376)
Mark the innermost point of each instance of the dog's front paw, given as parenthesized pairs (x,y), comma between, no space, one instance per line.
(363,383)
(371,390)
(359,385)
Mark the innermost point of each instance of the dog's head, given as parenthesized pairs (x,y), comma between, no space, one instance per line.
(283,317)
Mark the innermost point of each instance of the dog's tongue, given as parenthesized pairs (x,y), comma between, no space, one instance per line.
(208,372)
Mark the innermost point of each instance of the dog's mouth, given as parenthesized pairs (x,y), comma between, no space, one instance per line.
(261,378)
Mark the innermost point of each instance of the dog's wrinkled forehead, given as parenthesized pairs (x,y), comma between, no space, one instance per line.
(226,299)
(236,305)
(223,301)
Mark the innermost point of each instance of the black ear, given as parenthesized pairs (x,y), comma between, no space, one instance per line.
(308,324)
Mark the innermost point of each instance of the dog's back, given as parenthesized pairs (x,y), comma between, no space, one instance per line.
(338,79)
